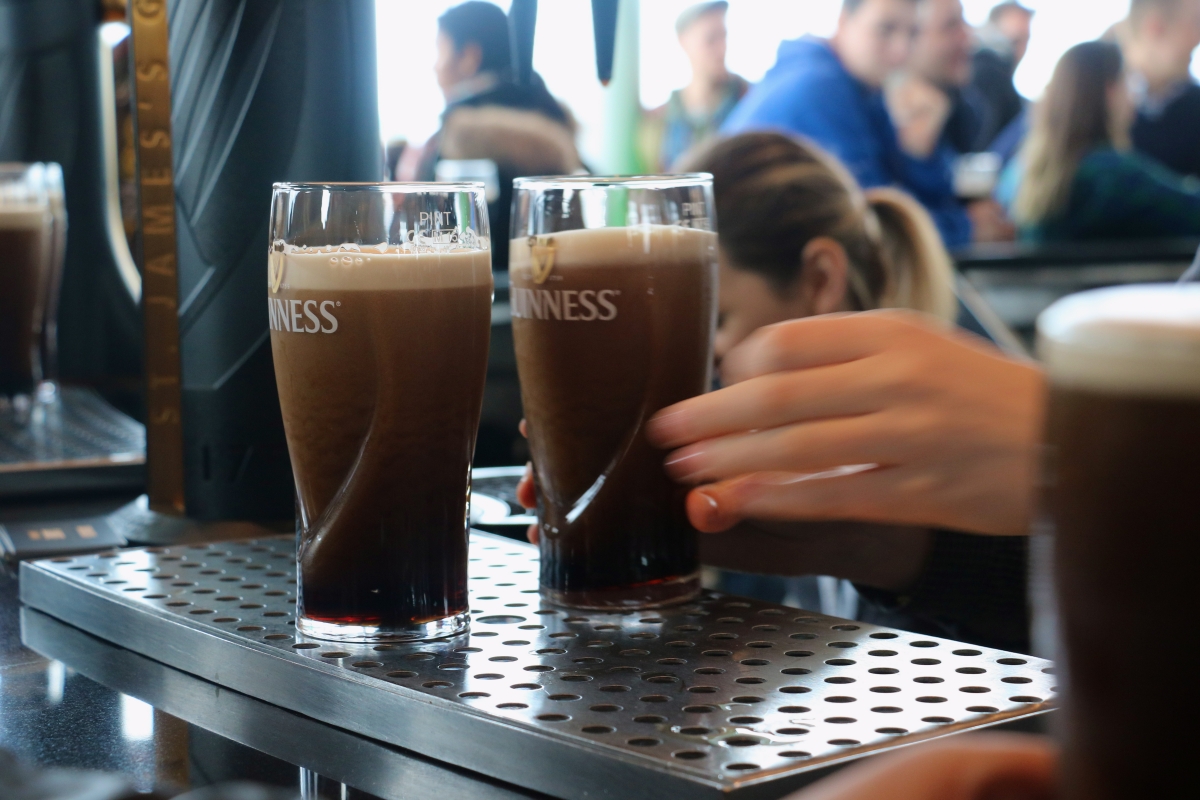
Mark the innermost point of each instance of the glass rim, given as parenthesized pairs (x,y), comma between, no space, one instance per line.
(677,181)
(396,187)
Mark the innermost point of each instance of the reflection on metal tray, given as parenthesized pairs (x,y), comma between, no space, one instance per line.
(502,514)
(722,697)
(76,441)
(361,763)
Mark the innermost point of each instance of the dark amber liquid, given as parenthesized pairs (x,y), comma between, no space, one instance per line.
(1125,497)
(613,529)
(381,418)
(20,268)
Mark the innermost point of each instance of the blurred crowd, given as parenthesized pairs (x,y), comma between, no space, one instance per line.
(905,94)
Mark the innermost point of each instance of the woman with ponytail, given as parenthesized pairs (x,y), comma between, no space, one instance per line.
(800,238)
(940,420)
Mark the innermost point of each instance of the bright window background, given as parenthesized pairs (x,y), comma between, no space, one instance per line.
(564,53)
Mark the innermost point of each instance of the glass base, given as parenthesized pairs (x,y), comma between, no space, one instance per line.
(417,632)
(667,592)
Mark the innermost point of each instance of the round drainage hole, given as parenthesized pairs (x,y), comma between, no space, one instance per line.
(604,708)
(844,742)
(565,698)
(276,637)
(553,717)
(615,687)
(1025,699)
(512,706)
(742,741)
(925,662)
(703,690)
(931,699)
(755,681)
(436,684)
(690,755)
(795,690)
(926,679)
(745,720)
(755,662)
(367,664)
(799,653)
(892,731)
(793,710)
(710,671)
(792,731)
(975,689)
(599,729)
(1005,680)
(795,754)
(699,709)
(526,686)
(332,653)
(256,628)
(199,611)
(1012,662)
(472,695)
(750,698)
(504,659)
(644,741)
(839,680)
(971,670)
(743,767)
(695,730)
(937,720)
(655,698)
(650,719)
(982,709)
(575,678)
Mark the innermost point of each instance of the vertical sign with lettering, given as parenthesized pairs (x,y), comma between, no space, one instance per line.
(160,284)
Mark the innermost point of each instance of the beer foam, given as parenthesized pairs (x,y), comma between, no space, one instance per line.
(1133,340)
(366,268)
(621,247)
(23,217)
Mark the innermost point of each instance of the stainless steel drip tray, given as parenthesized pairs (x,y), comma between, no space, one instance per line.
(723,697)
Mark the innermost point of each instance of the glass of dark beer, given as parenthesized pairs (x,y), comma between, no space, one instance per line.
(26,258)
(613,296)
(1122,491)
(379,300)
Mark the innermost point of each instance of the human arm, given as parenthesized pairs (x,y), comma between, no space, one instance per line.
(984,766)
(947,427)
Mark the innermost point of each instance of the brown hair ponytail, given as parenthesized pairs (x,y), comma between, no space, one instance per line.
(921,275)
(775,194)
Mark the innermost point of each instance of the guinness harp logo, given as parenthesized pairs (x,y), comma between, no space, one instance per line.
(275,271)
(541,256)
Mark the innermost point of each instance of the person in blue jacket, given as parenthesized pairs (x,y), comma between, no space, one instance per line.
(830,91)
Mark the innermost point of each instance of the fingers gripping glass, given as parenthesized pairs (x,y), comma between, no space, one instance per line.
(379,298)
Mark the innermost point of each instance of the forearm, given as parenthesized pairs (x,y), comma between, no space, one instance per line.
(884,557)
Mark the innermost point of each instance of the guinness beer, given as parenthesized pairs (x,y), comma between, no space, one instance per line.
(1124,438)
(25,239)
(611,324)
(380,356)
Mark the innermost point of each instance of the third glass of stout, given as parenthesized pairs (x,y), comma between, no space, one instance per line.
(380,314)
(1124,440)
(613,302)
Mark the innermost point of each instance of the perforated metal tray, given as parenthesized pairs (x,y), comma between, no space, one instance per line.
(721,697)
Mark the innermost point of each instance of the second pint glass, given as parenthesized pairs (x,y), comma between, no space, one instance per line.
(613,303)
(380,314)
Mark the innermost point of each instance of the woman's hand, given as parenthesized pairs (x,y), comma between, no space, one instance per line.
(986,766)
(876,417)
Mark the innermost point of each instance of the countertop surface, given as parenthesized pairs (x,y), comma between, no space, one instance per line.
(161,729)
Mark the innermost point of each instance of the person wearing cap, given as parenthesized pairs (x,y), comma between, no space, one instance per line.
(695,112)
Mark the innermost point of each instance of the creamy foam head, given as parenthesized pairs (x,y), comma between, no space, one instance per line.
(367,268)
(23,217)
(1137,340)
(640,245)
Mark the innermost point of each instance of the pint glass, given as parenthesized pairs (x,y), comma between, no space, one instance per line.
(379,298)
(30,263)
(1124,438)
(613,292)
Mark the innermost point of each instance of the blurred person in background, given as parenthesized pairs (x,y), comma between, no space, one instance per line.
(522,129)
(1077,177)
(938,115)
(831,92)
(1158,41)
(695,112)
(1000,48)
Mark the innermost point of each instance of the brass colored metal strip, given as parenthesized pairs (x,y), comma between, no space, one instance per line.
(160,284)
